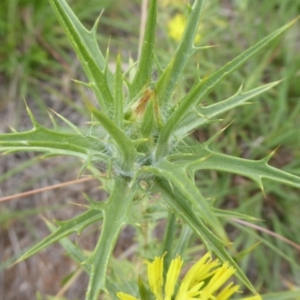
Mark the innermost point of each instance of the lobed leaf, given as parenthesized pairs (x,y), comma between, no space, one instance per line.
(118,94)
(256,170)
(177,177)
(202,158)
(85,45)
(54,143)
(76,224)
(201,90)
(143,74)
(203,115)
(116,212)
(166,84)
(71,249)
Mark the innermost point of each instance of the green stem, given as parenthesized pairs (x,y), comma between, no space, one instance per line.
(169,236)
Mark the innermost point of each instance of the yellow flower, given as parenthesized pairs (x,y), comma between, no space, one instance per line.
(176,27)
(203,281)
(174,3)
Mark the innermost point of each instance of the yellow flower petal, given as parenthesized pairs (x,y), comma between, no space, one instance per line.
(222,274)
(227,292)
(176,26)
(172,276)
(203,281)
(155,276)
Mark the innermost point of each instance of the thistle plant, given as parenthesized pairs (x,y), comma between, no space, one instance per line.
(139,144)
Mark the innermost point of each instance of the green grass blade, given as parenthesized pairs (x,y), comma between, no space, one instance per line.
(251,232)
(184,210)
(202,115)
(288,295)
(202,89)
(85,45)
(76,224)
(168,240)
(143,74)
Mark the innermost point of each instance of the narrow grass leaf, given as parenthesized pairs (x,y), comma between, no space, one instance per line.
(288,295)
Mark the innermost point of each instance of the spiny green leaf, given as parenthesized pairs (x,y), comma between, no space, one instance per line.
(117,212)
(118,94)
(54,143)
(71,249)
(126,147)
(71,125)
(166,83)
(203,115)
(76,224)
(253,169)
(177,177)
(85,45)
(143,74)
(182,209)
(202,89)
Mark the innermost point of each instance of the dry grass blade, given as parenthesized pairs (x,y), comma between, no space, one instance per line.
(267,231)
(44,189)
